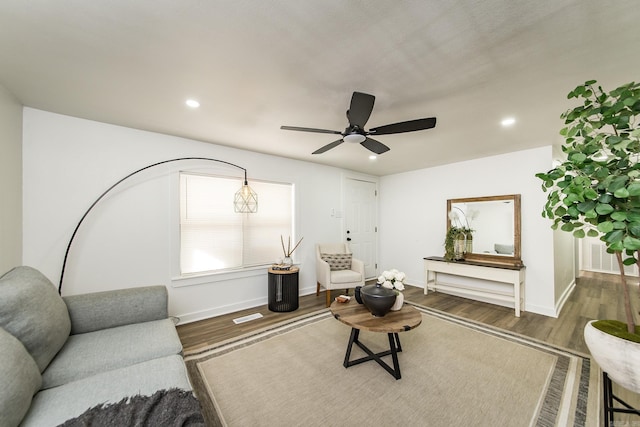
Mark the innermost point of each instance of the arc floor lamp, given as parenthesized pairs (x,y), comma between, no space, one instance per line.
(245,200)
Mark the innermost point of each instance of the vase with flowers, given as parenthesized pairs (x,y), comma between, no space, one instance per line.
(394,280)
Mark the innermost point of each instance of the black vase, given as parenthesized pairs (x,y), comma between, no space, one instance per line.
(377,299)
(358,295)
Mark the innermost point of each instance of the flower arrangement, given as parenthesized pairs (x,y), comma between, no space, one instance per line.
(462,220)
(392,279)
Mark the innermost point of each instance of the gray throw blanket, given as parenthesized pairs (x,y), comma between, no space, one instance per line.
(173,407)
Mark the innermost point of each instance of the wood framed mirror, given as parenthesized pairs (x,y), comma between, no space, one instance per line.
(495,221)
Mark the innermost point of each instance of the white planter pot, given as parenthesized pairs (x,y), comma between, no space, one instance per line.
(619,358)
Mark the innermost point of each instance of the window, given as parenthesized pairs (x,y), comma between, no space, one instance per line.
(213,237)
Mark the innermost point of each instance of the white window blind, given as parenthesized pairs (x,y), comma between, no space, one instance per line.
(214,237)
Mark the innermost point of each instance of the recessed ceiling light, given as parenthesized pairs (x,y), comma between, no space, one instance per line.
(373,157)
(509,121)
(192,103)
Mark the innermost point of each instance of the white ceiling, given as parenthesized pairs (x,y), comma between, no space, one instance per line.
(255,65)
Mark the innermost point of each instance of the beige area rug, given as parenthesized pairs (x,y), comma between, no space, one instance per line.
(454,373)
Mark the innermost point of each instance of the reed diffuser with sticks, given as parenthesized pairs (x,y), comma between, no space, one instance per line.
(288,261)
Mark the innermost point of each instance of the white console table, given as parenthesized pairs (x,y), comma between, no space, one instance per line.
(513,275)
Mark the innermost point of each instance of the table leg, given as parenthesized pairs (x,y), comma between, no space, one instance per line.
(394,354)
(394,348)
(353,338)
(398,346)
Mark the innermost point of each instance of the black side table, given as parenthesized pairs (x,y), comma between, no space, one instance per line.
(283,289)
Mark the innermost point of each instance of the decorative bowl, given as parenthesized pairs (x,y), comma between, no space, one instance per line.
(377,299)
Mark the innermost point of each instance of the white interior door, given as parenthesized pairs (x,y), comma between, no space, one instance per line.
(361,224)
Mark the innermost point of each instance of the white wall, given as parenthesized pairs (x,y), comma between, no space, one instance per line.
(130,238)
(564,258)
(565,251)
(413,209)
(10,181)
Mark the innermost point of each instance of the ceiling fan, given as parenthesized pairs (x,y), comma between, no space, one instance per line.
(358,114)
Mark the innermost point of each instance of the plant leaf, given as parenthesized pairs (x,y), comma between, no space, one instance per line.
(619,216)
(586,206)
(567,226)
(621,193)
(604,209)
(605,227)
(631,243)
(634,189)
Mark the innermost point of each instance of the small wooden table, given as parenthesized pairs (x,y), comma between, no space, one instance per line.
(359,318)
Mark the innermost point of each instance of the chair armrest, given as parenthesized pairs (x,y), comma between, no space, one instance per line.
(103,310)
(323,272)
(358,265)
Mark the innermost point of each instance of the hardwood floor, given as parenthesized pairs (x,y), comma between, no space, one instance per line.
(595,296)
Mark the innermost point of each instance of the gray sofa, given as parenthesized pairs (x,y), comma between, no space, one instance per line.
(60,356)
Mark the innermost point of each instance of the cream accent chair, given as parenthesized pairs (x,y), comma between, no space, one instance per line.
(337,279)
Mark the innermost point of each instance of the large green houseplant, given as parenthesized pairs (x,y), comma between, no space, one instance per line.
(596,191)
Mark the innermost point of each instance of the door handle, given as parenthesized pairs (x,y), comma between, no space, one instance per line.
(348,239)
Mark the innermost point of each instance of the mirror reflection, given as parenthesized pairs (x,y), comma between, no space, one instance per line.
(495,222)
(491,223)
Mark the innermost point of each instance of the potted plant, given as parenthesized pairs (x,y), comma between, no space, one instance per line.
(455,243)
(596,192)
(459,239)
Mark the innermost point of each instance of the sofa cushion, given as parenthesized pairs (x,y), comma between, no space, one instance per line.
(88,354)
(32,311)
(337,261)
(108,309)
(20,379)
(56,405)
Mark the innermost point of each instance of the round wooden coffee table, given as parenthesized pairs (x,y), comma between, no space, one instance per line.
(359,318)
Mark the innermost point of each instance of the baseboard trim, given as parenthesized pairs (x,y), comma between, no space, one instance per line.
(565,296)
(231,308)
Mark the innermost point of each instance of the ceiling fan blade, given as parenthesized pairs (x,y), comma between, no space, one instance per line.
(401,127)
(328,147)
(310,130)
(375,146)
(360,108)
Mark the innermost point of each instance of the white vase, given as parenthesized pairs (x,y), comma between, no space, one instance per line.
(618,357)
(399,301)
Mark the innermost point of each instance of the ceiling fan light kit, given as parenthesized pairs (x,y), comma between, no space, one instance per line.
(354,138)
(358,115)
